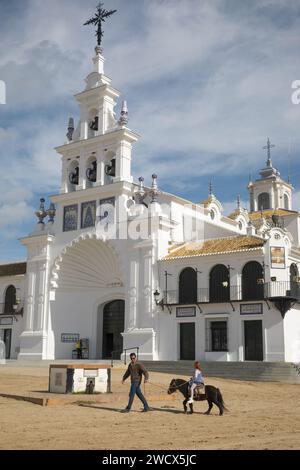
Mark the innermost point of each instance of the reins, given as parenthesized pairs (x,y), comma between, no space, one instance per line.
(163,386)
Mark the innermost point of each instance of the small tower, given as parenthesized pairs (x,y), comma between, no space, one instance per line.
(270,191)
(98,151)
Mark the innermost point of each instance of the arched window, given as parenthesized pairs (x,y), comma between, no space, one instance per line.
(252,281)
(294,281)
(188,286)
(10,299)
(286,202)
(219,284)
(263,201)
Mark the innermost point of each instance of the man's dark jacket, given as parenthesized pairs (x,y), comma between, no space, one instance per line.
(136,371)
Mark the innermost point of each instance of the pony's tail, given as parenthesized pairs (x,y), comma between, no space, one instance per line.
(220,400)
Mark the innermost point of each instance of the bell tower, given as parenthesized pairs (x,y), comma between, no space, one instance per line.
(98,151)
(270,191)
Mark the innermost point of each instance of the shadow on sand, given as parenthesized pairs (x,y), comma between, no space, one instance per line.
(118,410)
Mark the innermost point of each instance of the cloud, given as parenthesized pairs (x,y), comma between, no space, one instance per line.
(13,215)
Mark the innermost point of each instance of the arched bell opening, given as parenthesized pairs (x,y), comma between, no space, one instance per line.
(73,175)
(93,123)
(109,167)
(91,172)
(263,201)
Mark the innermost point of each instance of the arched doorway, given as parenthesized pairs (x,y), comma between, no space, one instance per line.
(188,286)
(113,326)
(10,300)
(219,284)
(252,281)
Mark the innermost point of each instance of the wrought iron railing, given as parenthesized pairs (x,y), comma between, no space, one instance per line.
(264,290)
(282,289)
(135,348)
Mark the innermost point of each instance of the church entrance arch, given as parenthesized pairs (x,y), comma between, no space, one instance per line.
(113,326)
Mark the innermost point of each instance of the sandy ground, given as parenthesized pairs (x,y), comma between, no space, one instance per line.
(262,416)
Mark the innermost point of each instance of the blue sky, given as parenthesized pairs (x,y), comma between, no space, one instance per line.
(207,81)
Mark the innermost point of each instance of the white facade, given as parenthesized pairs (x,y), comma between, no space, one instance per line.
(93,269)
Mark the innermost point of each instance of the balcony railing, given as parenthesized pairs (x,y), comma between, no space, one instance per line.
(267,290)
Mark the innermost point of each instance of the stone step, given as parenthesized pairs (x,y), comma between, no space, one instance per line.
(250,371)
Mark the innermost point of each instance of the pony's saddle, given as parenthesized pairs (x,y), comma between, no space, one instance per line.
(198,392)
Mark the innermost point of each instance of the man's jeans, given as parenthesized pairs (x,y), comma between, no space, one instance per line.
(135,389)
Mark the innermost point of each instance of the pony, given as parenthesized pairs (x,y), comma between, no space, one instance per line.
(212,395)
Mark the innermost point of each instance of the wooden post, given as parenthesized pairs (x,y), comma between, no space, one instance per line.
(109,381)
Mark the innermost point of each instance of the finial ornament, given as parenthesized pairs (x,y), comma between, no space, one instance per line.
(97,20)
(124,114)
(210,189)
(70,129)
(51,212)
(154,191)
(41,213)
(268,148)
(238,202)
(141,193)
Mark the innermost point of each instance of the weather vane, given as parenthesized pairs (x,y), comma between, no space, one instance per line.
(98,19)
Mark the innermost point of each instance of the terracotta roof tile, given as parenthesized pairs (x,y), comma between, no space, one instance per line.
(12,269)
(269,212)
(215,246)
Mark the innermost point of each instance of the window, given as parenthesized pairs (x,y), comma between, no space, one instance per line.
(218,335)
(252,281)
(10,300)
(263,201)
(188,286)
(219,284)
(286,202)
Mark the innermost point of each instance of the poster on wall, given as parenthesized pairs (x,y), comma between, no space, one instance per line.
(70,218)
(88,214)
(69,337)
(277,257)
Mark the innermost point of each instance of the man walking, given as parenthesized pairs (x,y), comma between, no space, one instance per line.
(135,370)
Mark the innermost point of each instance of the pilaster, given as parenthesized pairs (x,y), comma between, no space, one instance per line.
(33,343)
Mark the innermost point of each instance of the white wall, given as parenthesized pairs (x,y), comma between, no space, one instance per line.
(292,334)
(18,321)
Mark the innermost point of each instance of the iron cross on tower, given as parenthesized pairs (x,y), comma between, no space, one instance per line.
(98,19)
(268,148)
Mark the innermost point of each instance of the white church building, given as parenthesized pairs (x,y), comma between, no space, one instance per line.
(119,265)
